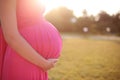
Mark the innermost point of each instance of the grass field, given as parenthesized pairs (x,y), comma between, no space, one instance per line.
(87,59)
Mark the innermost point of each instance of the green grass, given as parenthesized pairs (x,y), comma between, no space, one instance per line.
(86,59)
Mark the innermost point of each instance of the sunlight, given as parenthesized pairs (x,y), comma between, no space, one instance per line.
(92,6)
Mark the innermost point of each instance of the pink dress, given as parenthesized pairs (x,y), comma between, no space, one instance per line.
(40,34)
(2,51)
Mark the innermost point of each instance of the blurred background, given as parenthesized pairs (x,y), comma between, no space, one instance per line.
(90,30)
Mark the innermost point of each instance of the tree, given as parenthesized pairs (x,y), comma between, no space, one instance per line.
(105,21)
(116,22)
(86,24)
(61,18)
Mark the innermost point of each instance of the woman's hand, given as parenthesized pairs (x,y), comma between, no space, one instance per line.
(50,63)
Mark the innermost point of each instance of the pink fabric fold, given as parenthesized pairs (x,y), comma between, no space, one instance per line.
(2,51)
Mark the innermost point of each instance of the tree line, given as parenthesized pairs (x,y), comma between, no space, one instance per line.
(103,23)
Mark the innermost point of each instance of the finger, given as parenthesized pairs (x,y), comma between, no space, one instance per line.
(55,60)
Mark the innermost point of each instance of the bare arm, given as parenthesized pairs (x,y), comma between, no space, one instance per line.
(14,39)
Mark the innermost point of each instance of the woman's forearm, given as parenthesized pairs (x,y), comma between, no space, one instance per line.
(21,46)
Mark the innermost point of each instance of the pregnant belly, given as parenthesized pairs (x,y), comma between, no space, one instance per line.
(44,38)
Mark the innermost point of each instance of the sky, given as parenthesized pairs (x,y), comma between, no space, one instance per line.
(93,7)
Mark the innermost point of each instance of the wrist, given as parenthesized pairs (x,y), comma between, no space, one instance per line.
(42,63)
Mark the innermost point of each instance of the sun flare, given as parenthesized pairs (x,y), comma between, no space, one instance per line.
(92,6)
